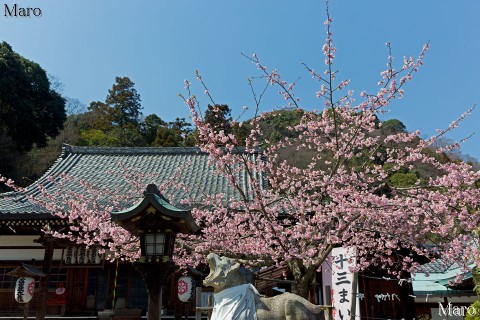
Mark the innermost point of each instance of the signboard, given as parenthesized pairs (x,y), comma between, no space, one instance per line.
(342,261)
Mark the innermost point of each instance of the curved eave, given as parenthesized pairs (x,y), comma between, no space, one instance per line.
(162,207)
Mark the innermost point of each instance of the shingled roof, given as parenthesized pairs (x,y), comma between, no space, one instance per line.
(105,167)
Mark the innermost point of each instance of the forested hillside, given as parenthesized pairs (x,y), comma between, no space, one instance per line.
(35,120)
(99,125)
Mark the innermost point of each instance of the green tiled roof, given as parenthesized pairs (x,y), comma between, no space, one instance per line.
(105,167)
(434,278)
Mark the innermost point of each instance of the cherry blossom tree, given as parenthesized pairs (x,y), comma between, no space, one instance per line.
(296,214)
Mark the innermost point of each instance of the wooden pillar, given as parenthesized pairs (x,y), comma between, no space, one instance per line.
(154,286)
(198,303)
(41,304)
(155,276)
(25,311)
(328,302)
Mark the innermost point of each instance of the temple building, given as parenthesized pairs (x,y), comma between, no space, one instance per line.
(81,282)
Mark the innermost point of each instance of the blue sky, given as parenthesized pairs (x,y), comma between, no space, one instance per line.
(159,43)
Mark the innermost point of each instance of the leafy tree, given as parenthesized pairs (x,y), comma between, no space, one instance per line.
(94,137)
(275,125)
(125,103)
(166,137)
(393,125)
(30,111)
(150,126)
(125,137)
(181,128)
(219,116)
(100,116)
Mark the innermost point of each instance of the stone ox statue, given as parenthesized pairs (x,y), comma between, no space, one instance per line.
(235,299)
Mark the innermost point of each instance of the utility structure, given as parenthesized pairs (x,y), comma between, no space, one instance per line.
(156,223)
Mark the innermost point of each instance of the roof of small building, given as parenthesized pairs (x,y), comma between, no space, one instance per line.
(435,278)
(112,167)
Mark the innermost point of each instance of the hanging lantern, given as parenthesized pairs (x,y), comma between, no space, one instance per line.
(24,289)
(186,288)
(94,255)
(70,255)
(82,255)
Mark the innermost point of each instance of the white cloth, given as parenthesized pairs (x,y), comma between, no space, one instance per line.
(236,303)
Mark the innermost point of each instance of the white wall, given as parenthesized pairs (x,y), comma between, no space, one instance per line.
(14,253)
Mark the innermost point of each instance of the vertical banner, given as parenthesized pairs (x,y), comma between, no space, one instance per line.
(343,259)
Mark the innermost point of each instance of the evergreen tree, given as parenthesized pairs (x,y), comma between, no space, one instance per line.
(124,100)
(219,116)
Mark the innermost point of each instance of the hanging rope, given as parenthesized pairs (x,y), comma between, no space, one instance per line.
(115,286)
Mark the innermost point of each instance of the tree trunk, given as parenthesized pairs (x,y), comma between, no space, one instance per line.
(304,277)
(302,287)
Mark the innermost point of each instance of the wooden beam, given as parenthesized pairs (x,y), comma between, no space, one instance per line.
(275,280)
(20,247)
(41,305)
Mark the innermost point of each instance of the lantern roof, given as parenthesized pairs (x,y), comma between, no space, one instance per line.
(26,270)
(155,208)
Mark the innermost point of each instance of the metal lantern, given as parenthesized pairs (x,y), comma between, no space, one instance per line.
(24,289)
(155,221)
(155,245)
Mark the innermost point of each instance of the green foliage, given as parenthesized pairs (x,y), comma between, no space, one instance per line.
(275,125)
(100,117)
(476,279)
(124,102)
(125,137)
(118,137)
(172,134)
(393,126)
(95,137)
(180,127)
(150,126)
(219,117)
(30,111)
(165,138)
(400,179)
(474,315)
(115,122)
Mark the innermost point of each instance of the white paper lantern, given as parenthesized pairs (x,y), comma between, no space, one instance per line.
(70,255)
(94,255)
(186,288)
(24,289)
(82,255)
